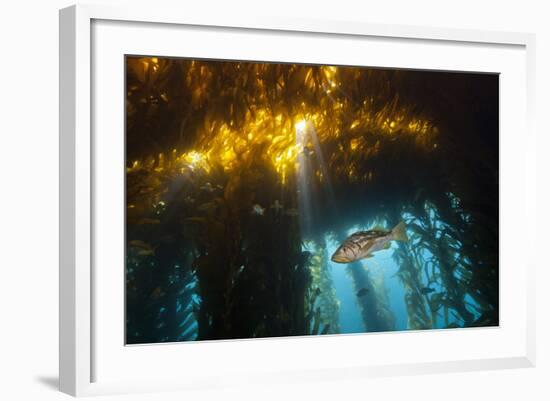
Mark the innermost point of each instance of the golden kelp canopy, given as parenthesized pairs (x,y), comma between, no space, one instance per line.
(241,177)
(232,112)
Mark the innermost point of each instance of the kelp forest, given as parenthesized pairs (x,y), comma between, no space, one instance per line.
(244,178)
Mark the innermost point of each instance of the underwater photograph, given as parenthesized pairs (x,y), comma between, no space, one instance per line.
(276,199)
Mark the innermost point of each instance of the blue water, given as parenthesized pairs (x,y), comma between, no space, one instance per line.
(390,289)
(380,264)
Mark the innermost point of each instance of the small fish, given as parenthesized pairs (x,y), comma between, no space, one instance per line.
(258,210)
(208,206)
(277,206)
(362,244)
(292,212)
(426,290)
(304,257)
(207,187)
(308,151)
(139,244)
(142,248)
(326,329)
(157,293)
(196,311)
(362,292)
(147,220)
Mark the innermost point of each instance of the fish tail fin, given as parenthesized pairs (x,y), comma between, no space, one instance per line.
(400,232)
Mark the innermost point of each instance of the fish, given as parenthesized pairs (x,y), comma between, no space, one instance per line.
(326,329)
(207,187)
(142,248)
(426,290)
(147,220)
(277,206)
(292,212)
(139,244)
(362,292)
(258,210)
(362,244)
(304,258)
(196,310)
(146,253)
(157,293)
(308,151)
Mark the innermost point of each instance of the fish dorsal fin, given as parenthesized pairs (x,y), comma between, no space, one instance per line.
(358,235)
(378,227)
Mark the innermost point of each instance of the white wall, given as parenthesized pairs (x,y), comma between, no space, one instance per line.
(28,197)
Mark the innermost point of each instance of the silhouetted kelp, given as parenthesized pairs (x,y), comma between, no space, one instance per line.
(322,283)
(217,242)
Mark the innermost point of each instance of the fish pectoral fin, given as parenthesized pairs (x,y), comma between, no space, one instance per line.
(387,245)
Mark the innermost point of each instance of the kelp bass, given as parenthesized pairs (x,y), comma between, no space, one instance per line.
(362,244)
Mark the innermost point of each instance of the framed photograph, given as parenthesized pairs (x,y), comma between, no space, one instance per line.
(259,200)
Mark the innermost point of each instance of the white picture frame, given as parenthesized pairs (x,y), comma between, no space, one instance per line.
(78,162)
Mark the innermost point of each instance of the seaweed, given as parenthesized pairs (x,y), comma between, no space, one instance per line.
(238,172)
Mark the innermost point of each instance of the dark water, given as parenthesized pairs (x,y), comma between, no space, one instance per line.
(244,178)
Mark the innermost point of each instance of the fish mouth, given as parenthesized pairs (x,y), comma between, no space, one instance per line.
(339,259)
